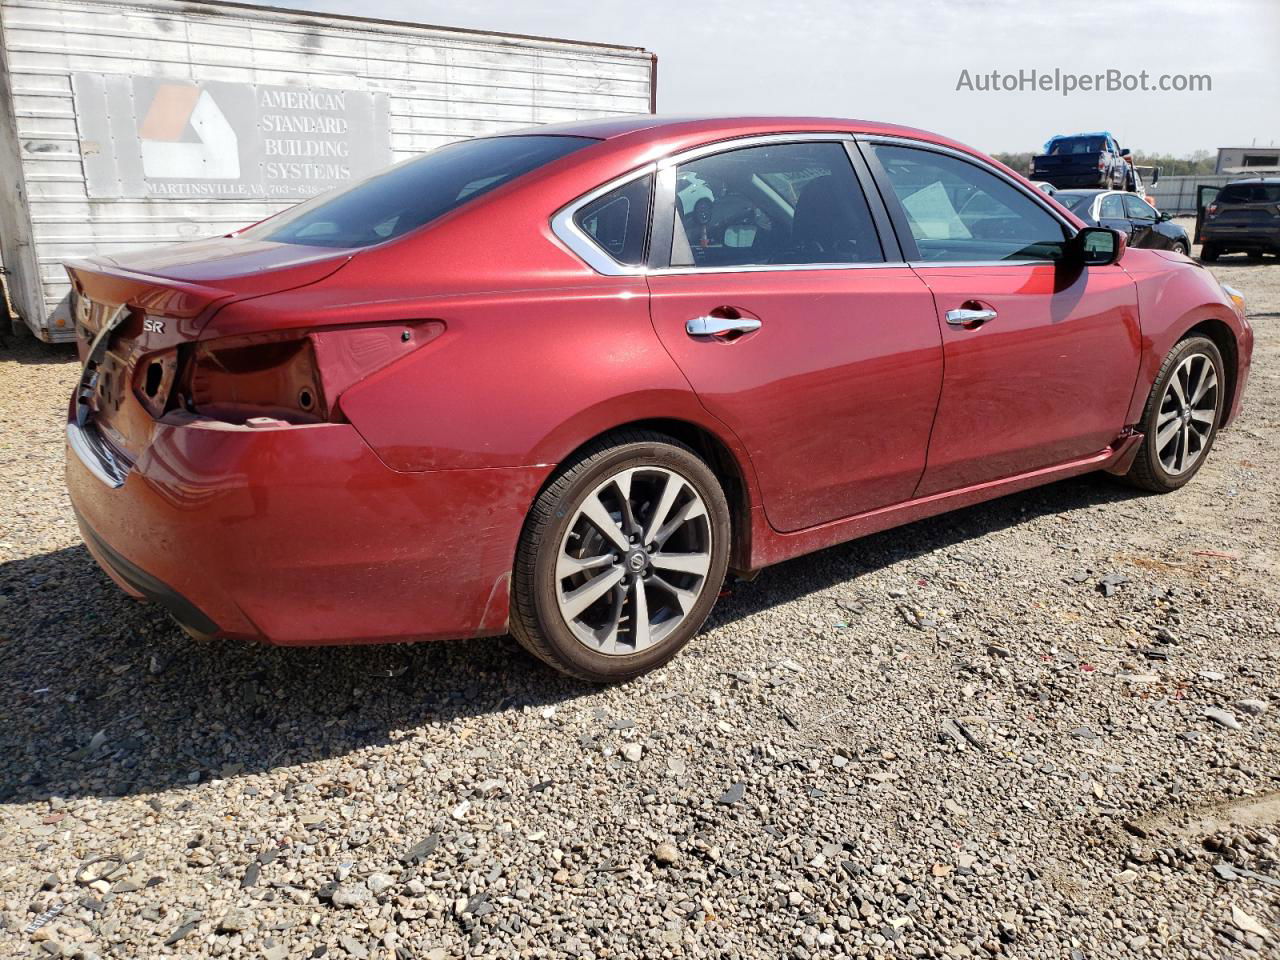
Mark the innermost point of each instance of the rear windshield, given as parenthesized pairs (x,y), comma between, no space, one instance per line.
(412,193)
(1250,193)
(1067,145)
(1075,202)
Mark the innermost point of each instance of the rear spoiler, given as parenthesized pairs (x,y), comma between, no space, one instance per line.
(180,301)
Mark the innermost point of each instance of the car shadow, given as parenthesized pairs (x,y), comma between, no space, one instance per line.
(105,696)
(32,352)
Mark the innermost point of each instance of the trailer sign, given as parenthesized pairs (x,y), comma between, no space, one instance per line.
(156,137)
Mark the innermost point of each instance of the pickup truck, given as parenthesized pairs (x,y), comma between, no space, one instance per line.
(1082,160)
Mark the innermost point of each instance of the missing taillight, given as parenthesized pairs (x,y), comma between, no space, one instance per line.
(289,376)
(239,381)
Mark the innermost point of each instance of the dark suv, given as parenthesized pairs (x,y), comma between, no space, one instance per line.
(1083,160)
(1244,217)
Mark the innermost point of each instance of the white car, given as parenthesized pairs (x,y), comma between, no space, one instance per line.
(696,197)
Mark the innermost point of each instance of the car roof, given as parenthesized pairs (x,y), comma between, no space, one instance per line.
(1254,180)
(660,127)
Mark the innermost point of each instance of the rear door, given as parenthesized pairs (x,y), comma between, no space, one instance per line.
(1040,359)
(1205,195)
(780,293)
(1111,214)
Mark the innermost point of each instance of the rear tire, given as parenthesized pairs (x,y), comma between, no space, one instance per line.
(621,559)
(1208,253)
(1181,418)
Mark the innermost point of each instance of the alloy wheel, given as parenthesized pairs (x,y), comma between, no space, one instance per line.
(634,560)
(1188,412)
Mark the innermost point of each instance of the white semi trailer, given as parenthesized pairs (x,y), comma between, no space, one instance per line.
(126,125)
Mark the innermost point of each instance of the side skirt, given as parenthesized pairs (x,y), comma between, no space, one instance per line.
(769,546)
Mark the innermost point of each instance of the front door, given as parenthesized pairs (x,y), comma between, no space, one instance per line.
(1040,359)
(1142,217)
(781,309)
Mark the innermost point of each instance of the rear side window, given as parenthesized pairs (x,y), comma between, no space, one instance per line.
(413,193)
(619,221)
(956,210)
(789,203)
(1112,207)
(1075,202)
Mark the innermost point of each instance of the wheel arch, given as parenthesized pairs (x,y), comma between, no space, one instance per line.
(1224,338)
(1176,301)
(726,460)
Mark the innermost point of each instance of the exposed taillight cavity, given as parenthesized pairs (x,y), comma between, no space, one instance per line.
(234,382)
(153,379)
(288,377)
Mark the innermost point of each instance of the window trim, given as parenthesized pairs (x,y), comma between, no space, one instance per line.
(565,226)
(665,220)
(1103,198)
(907,242)
(866,168)
(648,220)
(662,214)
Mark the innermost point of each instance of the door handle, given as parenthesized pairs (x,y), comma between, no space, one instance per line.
(727,327)
(964,317)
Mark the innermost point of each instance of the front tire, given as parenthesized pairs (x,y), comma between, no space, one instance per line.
(1180,247)
(622,558)
(1181,417)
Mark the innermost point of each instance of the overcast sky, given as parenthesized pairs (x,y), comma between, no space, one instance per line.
(901,60)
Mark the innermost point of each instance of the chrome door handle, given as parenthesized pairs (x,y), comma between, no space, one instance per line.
(968,318)
(719,326)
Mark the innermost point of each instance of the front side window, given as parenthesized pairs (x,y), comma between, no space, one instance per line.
(618,222)
(1136,208)
(413,193)
(955,210)
(789,203)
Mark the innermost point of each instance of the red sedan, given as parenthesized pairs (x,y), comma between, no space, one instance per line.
(558,382)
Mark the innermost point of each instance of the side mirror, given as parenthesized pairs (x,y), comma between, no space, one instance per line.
(1164,215)
(1124,152)
(1098,246)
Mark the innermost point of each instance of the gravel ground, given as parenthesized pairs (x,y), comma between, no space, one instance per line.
(983,734)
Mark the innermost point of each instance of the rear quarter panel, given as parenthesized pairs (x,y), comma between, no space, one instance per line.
(521,378)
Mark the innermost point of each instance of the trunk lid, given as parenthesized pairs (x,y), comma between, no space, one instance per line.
(159,299)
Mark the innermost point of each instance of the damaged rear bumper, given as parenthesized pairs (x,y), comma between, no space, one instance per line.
(302,535)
